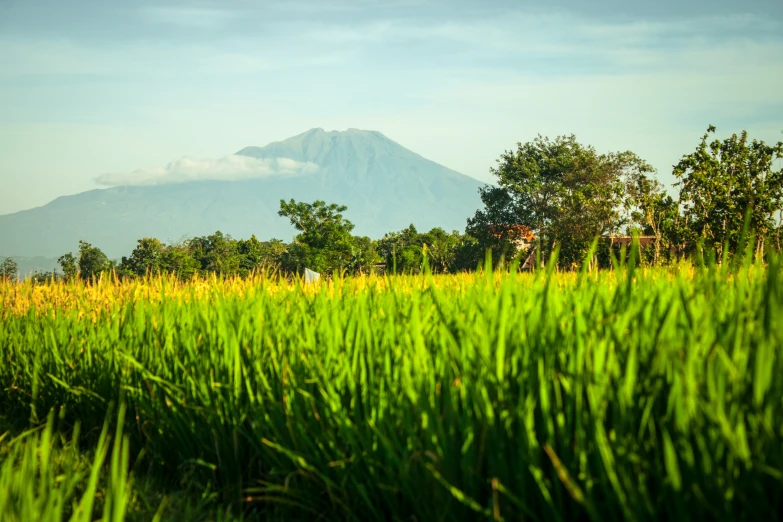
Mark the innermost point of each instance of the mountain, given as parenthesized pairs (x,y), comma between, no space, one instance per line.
(385,186)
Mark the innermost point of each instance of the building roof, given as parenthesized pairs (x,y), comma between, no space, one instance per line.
(512,231)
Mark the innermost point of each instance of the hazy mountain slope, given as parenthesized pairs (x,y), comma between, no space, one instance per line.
(385,186)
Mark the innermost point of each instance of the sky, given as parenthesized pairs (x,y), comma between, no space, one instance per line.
(93,91)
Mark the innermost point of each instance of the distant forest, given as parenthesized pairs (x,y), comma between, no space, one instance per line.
(551,196)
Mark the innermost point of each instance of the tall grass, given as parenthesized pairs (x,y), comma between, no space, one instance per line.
(45,477)
(637,394)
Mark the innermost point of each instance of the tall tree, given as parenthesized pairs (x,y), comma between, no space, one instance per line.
(324,242)
(216,253)
(491,226)
(563,190)
(69,265)
(9,270)
(92,261)
(721,182)
(146,258)
(258,255)
(652,212)
(402,251)
(176,259)
(363,255)
(442,249)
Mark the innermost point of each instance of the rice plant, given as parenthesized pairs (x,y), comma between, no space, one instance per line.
(634,394)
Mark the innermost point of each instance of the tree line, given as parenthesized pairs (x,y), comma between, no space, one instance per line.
(324,243)
(563,191)
(569,195)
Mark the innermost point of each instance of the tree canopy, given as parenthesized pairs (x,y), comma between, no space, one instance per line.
(324,242)
(723,181)
(9,269)
(564,191)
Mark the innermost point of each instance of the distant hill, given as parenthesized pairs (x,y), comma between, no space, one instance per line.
(385,186)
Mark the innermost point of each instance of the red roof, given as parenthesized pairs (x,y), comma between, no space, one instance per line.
(512,231)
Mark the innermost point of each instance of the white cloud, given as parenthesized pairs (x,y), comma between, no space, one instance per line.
(233,167)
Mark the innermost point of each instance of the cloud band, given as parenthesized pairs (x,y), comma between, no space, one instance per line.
(232,167)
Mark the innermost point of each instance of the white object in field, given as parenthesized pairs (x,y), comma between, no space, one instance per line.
(311,276)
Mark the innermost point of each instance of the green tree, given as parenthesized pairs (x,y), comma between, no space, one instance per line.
(652,212)
(69,266)
(363,255)
(721,182)
(490,227)
(442,249)
(9,270)
(92,261)
(258,255)
(216,253)
(146,258)
(468,254)
(43,277)
(176,259)
(402,251)
(564,191)
(324,242)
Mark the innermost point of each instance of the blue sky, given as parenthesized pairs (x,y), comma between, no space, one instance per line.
(96,87)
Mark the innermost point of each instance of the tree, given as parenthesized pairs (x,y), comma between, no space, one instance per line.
(490,226)
(402,251)
(68,264)
(564,191)
(256,255)
(721,182)
(468,254)
(92,261)
(441,249)
(9,270)
(146,258)
(176,259)
(363,255)
(324,243)
(43,277)
(216,253)
(653,211)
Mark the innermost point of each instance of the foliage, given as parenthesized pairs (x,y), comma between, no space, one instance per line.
(92,262)
(177,260)
(404,251)
(43,477)
(500,209)
(563,190)
(9,269)
(146,258)
(69,266)
(721,183)
(257,256)
(654,211)
(43,277)
(324,242)
(363,255)
(216,253)
(637,394)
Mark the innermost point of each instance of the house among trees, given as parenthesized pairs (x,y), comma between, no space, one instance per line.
(520,236)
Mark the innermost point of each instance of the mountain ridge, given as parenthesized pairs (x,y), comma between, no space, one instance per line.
(385,186)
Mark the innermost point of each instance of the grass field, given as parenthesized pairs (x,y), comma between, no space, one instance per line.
(648,394)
